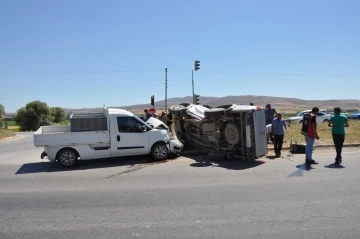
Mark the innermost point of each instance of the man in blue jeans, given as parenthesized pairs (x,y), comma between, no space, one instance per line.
(309,130)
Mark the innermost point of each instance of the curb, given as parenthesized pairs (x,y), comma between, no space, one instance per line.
(194,152)
(324,146)
(331,145)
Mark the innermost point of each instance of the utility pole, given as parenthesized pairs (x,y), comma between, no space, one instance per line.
(192,79)
(166,86)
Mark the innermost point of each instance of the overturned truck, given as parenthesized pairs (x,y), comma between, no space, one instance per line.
(228,131)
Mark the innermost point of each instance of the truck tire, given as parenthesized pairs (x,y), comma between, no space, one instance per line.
(67,157)
(185,104)
(227,109)
(177,109)
(214,112)
(213,156)
(232,134)
(159,151)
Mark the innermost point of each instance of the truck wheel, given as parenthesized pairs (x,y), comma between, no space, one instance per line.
(232,133)
(159,151)
(67,157)
(223,106)
(177,109)
(214,112)
(212,156)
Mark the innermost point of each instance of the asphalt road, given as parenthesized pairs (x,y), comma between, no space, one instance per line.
(180,198)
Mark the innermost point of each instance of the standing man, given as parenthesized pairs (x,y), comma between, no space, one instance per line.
(338,122)
(278,125)
(163,117)
(270,114)
(309,130)
(148,115)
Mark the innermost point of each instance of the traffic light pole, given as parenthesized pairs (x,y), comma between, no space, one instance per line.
(192,79)
(166,86)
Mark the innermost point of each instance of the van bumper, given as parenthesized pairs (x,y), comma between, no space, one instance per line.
(175,146)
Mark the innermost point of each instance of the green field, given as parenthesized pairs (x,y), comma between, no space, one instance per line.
(10,123)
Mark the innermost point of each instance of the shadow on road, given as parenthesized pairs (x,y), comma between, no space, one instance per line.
(334,166)
(271,157)
(50,167)
(300,170)
(203,161)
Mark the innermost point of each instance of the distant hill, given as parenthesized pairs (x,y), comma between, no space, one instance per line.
(285,104)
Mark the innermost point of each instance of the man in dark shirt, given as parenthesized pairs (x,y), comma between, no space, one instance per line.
(309,130)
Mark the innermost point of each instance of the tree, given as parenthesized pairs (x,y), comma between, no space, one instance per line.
(57,114)
(2,110)
(33,115)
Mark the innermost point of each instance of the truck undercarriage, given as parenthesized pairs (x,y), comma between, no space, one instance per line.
(229,131)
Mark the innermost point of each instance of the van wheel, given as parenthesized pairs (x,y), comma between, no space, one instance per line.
(67,157)
(159,151)
(300,122)
(326,121)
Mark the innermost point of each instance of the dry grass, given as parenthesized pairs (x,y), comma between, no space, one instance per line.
(352,134)
(6,133)
(13,127)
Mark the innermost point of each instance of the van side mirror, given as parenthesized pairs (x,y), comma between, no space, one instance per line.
(141,128)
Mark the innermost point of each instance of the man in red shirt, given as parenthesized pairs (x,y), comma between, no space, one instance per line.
(309,130)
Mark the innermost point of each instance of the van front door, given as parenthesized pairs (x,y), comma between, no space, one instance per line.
(132,137)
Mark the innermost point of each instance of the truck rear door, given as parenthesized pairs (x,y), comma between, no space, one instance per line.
(261,147)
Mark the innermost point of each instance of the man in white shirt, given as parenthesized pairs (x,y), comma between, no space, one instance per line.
(268,132)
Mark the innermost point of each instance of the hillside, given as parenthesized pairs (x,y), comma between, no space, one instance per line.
(285,104)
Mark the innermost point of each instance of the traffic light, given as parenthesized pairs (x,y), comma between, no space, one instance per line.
(197,99)
(197,65)
(152,100)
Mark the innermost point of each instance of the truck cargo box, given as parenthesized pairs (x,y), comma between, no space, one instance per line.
(88,122)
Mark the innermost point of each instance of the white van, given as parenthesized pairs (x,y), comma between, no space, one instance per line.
(124,134)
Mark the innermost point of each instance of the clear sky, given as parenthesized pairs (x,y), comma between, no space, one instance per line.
(86,53)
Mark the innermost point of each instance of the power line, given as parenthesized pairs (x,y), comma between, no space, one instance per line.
(178,70)
(271,74)
(78,73)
